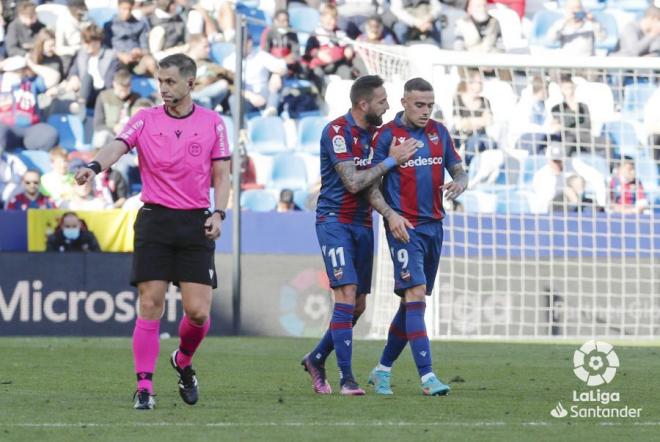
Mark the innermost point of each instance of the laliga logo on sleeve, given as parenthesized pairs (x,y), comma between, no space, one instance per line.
(595,363)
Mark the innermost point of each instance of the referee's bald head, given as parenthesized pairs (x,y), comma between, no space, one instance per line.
(186,65)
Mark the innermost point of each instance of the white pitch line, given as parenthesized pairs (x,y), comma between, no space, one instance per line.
(311,424)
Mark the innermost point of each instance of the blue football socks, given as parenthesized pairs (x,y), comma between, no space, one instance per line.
(419,341)
(341,327)
(396,338)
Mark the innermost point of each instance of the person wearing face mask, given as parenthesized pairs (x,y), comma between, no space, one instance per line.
(281,41)
(72,235)
(477,31)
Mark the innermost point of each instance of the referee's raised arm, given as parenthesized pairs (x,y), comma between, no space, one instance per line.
(107,156)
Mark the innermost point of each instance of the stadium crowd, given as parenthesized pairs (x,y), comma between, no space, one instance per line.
(73,72)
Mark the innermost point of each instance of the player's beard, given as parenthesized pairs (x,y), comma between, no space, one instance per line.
(373,119)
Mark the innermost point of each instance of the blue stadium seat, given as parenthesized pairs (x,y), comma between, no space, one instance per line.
(516,202)
(143,86)
(530,166)
(635,97)
(71,131)
(300,199)
(221,50)
(303,18)
(309,134)
(624,137)
(266,135)
(541,22)
(476,201)
(611,28)
(647,172)
(289,172)
(596,161)
(101,16)
(258,23)
(258,200)
(36,159)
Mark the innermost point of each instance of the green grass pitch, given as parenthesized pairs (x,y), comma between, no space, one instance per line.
(75,389)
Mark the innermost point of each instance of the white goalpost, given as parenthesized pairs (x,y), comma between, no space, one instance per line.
(511,267)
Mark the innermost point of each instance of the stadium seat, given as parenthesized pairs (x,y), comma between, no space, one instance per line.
(624,137)
(303,18)
(49,13)
(257,21)
(221,50)
(476,201)
(502,99)
(300,199)
(514,202)
(143,86)
(635,97)
(596,161)
(530,166)
(647,172)
(36,159)
(258,200)
(266,135)
(101,16)
(541,23)
(309,134)
(611,28)
(71,131)
(289,172)
(635,6)
(512,35)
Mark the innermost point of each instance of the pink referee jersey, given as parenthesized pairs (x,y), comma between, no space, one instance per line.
(176,154)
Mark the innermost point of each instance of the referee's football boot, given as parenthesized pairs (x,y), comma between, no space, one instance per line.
(317,372)
(144,400)
(187,381)
(435,387)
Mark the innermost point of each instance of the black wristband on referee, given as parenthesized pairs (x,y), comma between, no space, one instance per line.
(222,213)
(95,166)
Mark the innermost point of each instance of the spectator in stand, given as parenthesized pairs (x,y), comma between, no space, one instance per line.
(93,68)
(72,235)
(87,197)
(418,20)
(353,14)
(112,187)
(129,38)
(43,54)
(577,32)
(549,182)
(11,171)
(30,198)
(22,31)
(376,33)
(58,183)
(571,122)
(282,42)
(286,203)
(626,191)
(478,31)
(20,119)
(472,115)
(212,81)
(249,173)
(112,109)
(68,30)
(260,93)
(575,197)
(531,118)
(641,38)
(326,53)
(168,30)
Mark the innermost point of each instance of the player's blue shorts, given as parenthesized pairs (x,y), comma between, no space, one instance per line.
(348,254)
(416,263)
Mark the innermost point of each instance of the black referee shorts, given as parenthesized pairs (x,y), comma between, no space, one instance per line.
(171,245)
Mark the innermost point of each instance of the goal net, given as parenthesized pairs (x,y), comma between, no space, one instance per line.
(558,234)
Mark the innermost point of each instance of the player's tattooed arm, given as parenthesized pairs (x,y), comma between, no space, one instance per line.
(397,224)
(459,183)
(357,180)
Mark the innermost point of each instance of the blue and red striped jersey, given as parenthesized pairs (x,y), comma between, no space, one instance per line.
(343,140)
(413,188)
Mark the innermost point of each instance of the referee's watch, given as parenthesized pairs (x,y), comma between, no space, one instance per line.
(222,213)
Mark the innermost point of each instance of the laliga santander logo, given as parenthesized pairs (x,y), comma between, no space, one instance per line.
(595,363)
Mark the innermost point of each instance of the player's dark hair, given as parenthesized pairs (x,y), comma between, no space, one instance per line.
(185,64)
(417,84)
(363,88)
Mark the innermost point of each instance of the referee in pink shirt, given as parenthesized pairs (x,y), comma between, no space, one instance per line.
(183,149)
